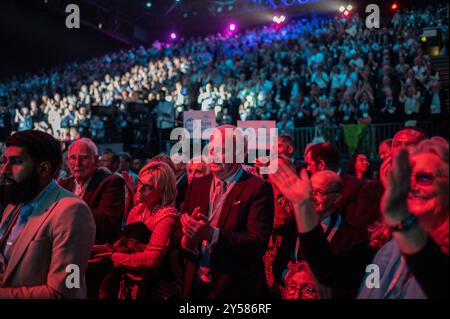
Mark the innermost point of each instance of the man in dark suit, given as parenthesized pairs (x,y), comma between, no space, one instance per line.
(226,233)
(327,189)
(325,156)
(389,107)
(104,193)
(434,102)
(111,161)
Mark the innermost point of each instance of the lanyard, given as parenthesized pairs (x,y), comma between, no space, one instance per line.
(332,229)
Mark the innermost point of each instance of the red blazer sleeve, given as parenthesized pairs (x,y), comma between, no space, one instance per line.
(108,213)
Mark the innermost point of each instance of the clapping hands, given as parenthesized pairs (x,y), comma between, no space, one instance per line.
(195,228)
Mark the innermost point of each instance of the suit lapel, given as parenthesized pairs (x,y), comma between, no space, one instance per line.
(33,224)
(5,219)
(230,200)
(68,184)
(93,185)
(6,213)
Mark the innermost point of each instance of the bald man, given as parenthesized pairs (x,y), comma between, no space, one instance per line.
(327,188)
(227,219)
(325,156)
(406,137)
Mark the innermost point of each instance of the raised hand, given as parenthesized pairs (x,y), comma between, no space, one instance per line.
(394,201)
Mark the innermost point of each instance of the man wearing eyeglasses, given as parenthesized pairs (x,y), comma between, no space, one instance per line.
(104,193)
(325,156)
(327,189)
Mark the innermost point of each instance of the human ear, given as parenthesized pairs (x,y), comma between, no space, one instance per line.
(44,169)
(321,165)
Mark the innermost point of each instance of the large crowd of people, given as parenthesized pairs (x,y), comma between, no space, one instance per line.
(79,223)
(209,228)
(322,71)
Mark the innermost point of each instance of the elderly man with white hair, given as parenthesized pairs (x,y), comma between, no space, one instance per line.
(227,218)
(104,193)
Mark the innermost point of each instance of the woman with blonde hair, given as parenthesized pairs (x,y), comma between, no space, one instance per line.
(145,255)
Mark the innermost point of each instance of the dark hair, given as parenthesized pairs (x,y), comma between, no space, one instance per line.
(115,157)
(286,138)
(387,141)
(40,146)
(126,156)
(326,152)
(351,164)
(413,128)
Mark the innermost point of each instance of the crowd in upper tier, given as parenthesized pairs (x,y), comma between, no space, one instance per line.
(317,71)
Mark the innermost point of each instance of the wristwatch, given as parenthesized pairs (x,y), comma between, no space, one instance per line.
(405,225)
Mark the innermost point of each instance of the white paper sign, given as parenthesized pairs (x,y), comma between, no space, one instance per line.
(252,134)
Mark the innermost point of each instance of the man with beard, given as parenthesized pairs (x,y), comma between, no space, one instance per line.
(46,233)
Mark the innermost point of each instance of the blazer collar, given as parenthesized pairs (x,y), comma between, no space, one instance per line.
(96,179)
(230,202)
(39,216)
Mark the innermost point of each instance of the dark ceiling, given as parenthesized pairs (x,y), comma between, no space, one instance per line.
(133,22)
(36,36)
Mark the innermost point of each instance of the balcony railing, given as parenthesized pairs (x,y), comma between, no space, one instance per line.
(363,138)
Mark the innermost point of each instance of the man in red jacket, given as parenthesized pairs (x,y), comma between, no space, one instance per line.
(226,232)
(104,193)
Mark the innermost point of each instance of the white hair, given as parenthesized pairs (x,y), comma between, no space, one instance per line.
(88,142)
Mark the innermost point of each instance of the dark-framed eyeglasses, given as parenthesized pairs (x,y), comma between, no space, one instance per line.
(306,290)
(144,187)
(425,178)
